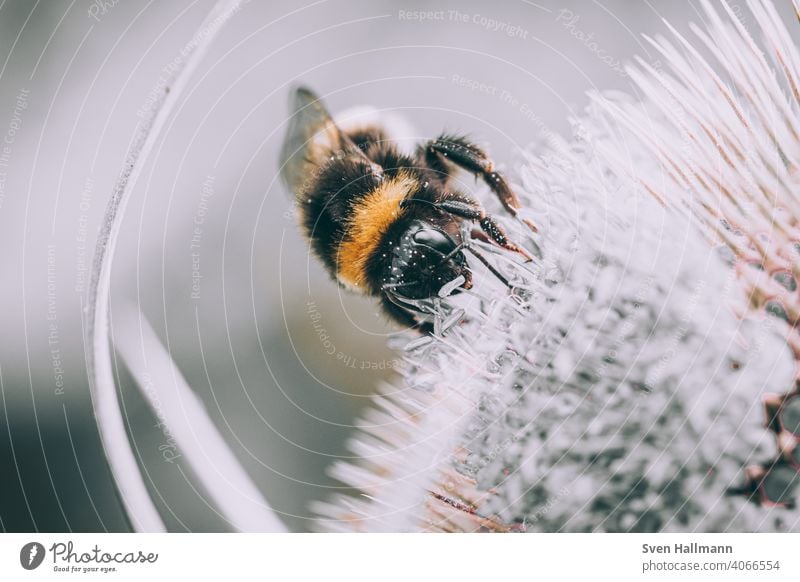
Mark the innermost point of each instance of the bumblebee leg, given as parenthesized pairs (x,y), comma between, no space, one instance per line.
(473,211)
(404,317)
(478,234)
(467,155)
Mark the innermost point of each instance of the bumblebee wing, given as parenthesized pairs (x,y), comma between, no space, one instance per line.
(312,137)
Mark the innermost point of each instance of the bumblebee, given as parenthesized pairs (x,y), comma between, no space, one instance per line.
(387,223)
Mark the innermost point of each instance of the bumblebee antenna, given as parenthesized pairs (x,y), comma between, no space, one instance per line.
(454,252)
(489,266)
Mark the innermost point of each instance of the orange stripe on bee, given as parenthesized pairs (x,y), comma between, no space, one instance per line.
(373,215)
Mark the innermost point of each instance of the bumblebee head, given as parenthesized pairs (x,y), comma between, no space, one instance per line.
(425,259)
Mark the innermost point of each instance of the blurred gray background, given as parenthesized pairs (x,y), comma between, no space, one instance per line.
(232,302)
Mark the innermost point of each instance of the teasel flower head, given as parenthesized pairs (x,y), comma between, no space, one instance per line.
(619,386)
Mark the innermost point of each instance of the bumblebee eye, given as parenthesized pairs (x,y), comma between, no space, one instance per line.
(434,239)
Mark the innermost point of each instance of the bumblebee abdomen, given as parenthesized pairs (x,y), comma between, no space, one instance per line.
(326,207)
(371,217)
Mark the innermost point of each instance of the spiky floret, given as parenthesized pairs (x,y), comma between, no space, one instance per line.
(728,128)
(617,389)
(726,134)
